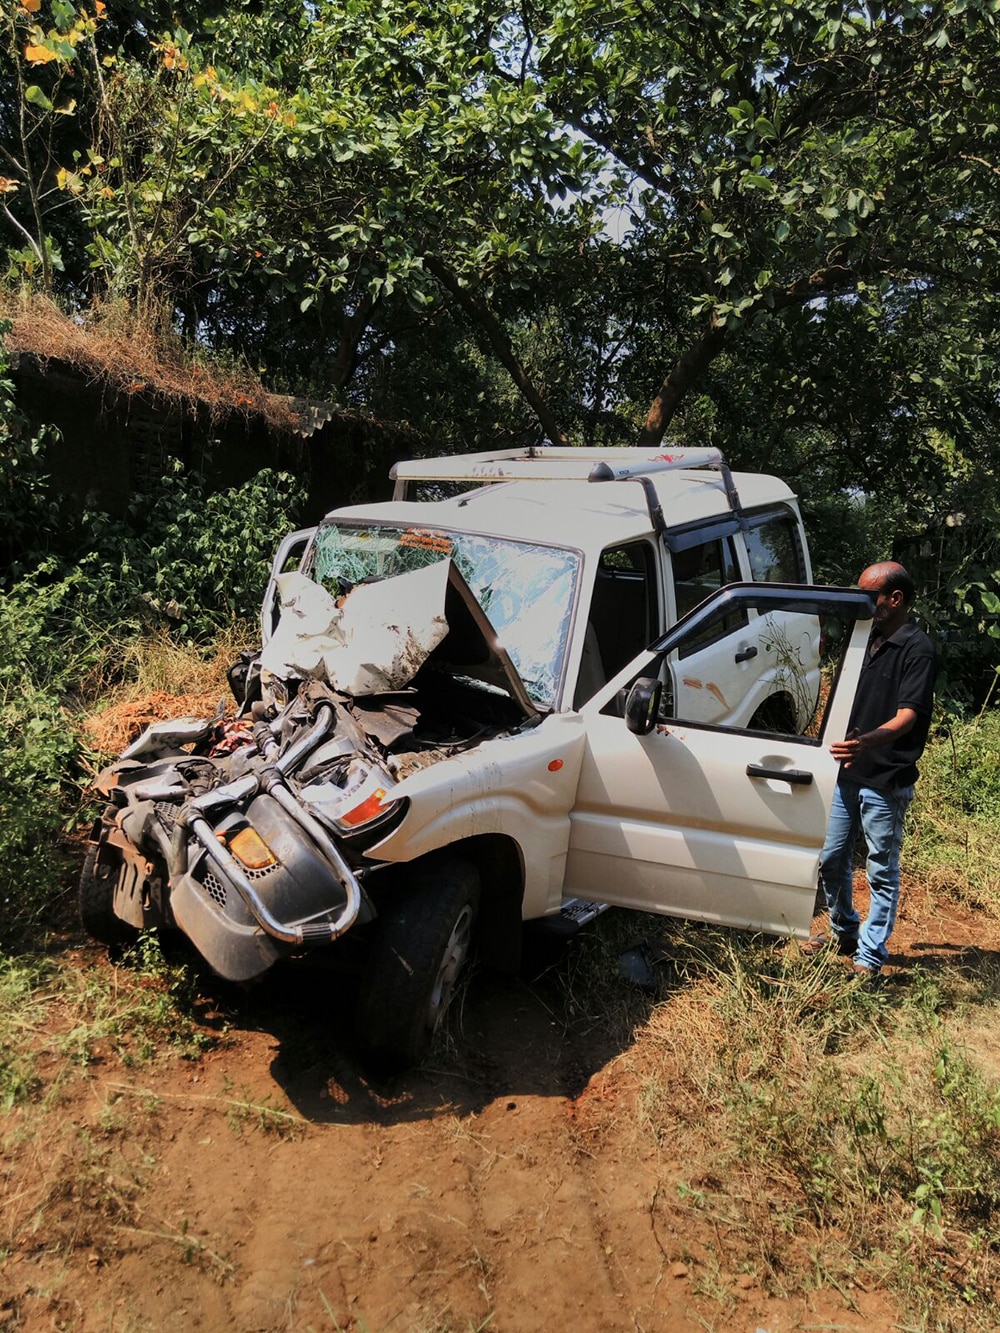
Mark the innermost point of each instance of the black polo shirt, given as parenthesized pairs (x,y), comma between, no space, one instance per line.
(899,674)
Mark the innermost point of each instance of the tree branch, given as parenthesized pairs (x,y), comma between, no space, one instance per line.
(700,355)
(497,337)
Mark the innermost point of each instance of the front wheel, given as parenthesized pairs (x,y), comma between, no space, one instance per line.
(98,881)
(422,942)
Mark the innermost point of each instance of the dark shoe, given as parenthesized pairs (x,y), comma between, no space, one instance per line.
(819,944)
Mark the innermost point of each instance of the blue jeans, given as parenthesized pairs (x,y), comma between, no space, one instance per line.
(880,815)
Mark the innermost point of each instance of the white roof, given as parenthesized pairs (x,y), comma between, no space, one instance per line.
(581,514)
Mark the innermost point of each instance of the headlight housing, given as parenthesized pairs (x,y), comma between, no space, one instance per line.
(356,802)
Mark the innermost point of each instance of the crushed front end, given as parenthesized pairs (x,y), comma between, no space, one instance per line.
(248,836)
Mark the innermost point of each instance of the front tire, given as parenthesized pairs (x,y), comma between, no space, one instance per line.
(98,881)
(423,940)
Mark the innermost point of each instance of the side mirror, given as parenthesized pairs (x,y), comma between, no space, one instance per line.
(642,707)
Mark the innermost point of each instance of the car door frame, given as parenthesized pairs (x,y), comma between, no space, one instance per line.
(291,548)
(713,822)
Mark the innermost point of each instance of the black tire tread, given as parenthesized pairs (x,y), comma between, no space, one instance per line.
(96,901)
(410,939)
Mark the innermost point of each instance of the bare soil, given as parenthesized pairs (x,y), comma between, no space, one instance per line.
(269,1184)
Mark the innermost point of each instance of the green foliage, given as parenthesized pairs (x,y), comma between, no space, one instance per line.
(194,557)
(30,513)
(963,767)
(72,585)
(187,558)
(147,1005)
(43,647)
(136,1009)
(22,1008)
(825,1109)
(957,811)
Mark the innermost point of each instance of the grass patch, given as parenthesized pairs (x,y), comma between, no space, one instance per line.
(833,1136)
(160,664)
(135,1010)
(957,813)
(23,1010)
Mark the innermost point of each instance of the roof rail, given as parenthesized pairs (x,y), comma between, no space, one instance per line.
(550,463)
(640,472)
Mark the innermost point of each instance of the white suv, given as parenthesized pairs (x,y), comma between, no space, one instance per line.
(597,677)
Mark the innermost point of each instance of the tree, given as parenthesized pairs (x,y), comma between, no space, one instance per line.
(39,92)
(372,165)
(786,157)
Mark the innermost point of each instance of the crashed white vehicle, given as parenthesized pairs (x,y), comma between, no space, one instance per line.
(596,678)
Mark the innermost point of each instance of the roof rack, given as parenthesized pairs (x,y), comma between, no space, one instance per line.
(549,463)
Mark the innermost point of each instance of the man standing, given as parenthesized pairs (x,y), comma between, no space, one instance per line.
(885,738)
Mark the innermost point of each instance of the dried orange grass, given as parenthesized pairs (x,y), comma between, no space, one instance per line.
(115,346)
(112,730)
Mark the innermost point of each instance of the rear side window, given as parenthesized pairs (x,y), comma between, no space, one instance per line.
(773,548)
(698,572)
(701,570)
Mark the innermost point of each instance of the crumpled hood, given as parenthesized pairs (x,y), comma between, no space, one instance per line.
(375,639)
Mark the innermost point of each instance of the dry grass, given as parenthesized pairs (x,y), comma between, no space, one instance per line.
(155,678)
(832,1136)
(110,344)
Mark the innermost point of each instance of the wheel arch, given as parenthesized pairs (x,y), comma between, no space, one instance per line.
(499,862)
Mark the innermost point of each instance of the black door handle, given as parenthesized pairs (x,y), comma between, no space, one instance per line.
(798,777)
(745,654)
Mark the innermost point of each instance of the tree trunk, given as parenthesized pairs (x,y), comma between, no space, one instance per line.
(351,328)
(496,336)
(678,381)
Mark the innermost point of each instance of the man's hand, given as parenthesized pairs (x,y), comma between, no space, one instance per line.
(855,743)
(846,749)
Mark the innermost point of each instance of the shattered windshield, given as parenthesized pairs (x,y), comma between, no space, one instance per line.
(525,590)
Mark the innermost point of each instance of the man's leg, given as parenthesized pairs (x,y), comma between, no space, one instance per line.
(836,863)
(883,816)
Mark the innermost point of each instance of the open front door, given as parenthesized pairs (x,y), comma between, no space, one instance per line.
(718,823)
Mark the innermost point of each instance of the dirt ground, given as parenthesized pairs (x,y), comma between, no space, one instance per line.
(268,1185)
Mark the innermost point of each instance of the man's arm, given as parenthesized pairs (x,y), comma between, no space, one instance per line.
(885,734)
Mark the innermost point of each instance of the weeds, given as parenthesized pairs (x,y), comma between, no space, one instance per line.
(262,1115)
(957,812)
(22,1010)
(134,1011)
(831,1111)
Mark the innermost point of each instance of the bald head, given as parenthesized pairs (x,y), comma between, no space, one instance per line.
(888,576)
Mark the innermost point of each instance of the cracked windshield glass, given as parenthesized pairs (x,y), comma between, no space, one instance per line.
(526,590)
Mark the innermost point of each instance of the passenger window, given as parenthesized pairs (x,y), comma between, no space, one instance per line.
(773,549)
(699,571)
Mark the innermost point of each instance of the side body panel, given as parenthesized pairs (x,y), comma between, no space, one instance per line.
(522,786)
(673,822)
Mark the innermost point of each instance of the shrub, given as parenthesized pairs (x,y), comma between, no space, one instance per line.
(957,811)
(43,645)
